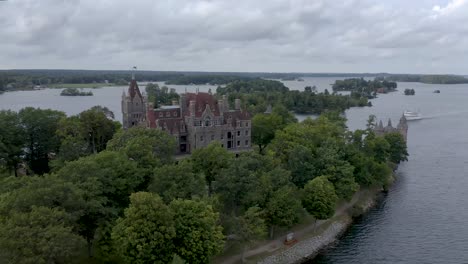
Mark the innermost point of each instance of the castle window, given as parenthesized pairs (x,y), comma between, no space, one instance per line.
(246,132)
(247,123)
(201,138)
(222,136)
(160,114)
(238,143)
(238,133)
(240,123)
(246,143)
(168,114)
(207,121)
(212,137)
(174,114)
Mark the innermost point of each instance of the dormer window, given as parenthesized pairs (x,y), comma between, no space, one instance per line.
(207,121)
(168,114)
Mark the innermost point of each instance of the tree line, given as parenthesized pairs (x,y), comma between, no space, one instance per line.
(258,94)
(432,79)
(93,190)
(359,87)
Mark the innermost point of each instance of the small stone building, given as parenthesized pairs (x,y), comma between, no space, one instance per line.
(195,121)
(401,128)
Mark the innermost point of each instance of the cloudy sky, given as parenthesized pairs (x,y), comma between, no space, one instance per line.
(398,36)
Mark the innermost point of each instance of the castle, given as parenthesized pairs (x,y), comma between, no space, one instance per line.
(401,128)
(195,121)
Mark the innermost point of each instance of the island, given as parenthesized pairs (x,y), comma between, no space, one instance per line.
(359,87)
(431,79)
(410,92)
(75,92)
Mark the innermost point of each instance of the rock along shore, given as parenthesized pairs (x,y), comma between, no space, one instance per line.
(308,248)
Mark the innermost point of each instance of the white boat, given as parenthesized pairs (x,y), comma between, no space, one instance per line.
(412,115)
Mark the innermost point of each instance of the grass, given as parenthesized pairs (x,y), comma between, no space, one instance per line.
(80,85)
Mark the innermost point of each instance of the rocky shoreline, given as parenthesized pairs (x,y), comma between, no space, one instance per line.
(308,249)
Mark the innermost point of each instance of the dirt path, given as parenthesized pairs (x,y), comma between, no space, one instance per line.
(277,243)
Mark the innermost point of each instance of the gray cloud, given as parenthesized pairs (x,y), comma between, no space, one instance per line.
(278,35)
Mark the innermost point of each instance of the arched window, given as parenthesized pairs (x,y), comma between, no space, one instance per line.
(207,121)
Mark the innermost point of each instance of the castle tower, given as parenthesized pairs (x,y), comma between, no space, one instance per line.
(133,106)
(402,127)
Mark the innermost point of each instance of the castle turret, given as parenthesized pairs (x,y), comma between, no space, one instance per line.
(403,127)
(133,106)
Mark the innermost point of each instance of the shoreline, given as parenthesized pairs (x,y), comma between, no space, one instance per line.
(330,231)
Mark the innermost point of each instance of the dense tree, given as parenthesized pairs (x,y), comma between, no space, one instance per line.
(41,141)
(42,235)
(161,96)
(108,179)
(150,147)
(250,227)
(210,161)
(397,150)
(177,181)
(47,191)
(319,198)
(11,141)
(300,162)
(246,181)
(198,235)
(283,208)
(96,128)
(146,231)
(264,127)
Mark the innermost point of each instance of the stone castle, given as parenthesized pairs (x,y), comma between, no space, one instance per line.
(195,121)
(401,128)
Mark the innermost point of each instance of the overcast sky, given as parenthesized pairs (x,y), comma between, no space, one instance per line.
(398,36)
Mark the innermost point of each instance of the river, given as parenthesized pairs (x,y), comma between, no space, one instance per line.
(421,219)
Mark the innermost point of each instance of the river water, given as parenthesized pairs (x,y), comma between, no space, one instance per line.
(422,218)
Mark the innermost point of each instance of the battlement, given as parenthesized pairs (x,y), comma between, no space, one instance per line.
(401,128)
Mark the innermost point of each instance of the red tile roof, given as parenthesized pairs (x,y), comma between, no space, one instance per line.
(201,100)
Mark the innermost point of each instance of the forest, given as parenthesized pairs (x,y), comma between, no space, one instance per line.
(359,87)
(432,79)
(80,189)
(258,94)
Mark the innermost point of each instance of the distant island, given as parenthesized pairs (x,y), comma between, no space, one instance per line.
(363,88)
(75,92)
(430,79)
(410,92)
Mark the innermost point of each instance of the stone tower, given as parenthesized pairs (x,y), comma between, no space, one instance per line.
(402,127)
(133,106)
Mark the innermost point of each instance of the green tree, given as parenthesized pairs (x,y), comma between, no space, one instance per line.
(283,208)
(42,235)
(177,181)
(11,141)
(108,179)
(41,141)
(146,231)
(146,146)
(198,234)
(210,161)
(397,151)
(319,198)
(264,127)
(97,128)
(250,227)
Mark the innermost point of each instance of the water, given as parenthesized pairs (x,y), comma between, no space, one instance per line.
(421,219)
(109,97)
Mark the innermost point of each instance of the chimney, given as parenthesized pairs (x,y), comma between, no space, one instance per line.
(225,103)
(221,106)
(237,104)
(192,108)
